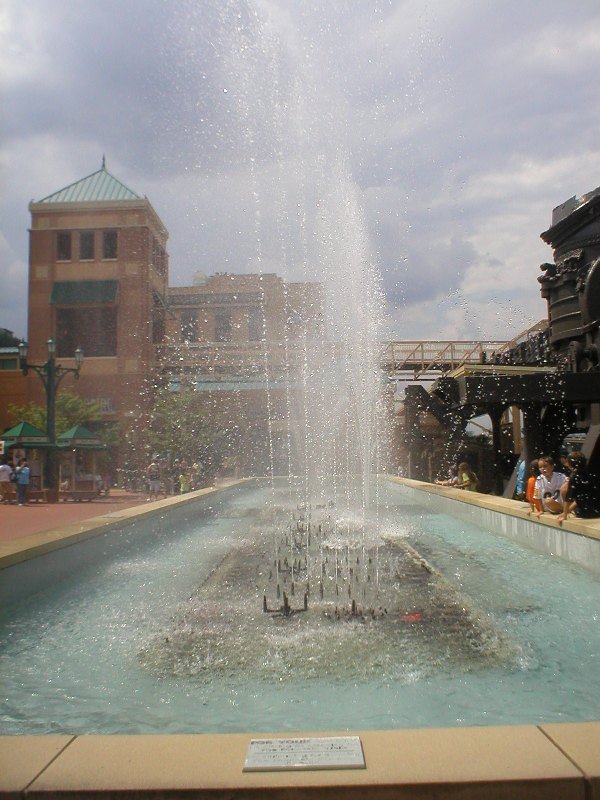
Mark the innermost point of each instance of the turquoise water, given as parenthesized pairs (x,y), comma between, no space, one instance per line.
(69,655)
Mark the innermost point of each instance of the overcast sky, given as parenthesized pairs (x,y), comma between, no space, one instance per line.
(432,139)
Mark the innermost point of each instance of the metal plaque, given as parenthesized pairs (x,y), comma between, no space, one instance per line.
(320,752)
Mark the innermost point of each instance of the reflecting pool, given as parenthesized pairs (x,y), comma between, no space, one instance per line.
(413,619)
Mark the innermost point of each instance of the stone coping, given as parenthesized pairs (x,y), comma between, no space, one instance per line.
(17,550)
(513,508)
(549,762)
(537,762)
(14,551)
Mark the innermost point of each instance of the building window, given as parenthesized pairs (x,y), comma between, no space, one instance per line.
(86,246)
(256,324)
(106,405)
(223,326)
(63,246)
(158,326)
(109,244)
(94,329)
(189,326)
(9,363)
(159,257)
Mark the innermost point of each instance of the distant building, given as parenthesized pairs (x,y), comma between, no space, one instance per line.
(98,280)
(98,271)
(224,321)
(13,384)
(236,340)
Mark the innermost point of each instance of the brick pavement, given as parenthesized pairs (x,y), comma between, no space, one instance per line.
(18,521)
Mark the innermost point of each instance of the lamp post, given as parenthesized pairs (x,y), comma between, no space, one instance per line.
(51,374)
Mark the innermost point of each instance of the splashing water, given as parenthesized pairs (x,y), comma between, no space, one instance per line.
(334,602)
(284,139)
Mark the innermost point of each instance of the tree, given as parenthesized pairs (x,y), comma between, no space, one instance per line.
(8,339)
(190,425)
(70,410)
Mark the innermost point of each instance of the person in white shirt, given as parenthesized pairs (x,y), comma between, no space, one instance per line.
(548,485)
(5,488)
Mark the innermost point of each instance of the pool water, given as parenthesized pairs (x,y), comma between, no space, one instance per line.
(71,656)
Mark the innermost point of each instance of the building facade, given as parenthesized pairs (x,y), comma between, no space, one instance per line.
(98,272)
(98,280)
(238,342)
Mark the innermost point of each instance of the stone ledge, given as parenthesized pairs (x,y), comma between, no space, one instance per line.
(14,551)
(514,508)
(538,763)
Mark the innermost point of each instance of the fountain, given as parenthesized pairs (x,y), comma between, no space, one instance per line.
(283,139)
(337,599)
(318,558)
(341,605)
(246,611)
(321,589)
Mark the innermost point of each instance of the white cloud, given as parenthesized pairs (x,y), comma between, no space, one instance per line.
(463,124)
(555,49)
(14,296)
(22,51)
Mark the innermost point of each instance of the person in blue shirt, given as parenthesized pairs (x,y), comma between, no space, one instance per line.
(22,473)
(520,487)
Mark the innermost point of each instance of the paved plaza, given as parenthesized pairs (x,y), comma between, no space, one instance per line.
(19,521)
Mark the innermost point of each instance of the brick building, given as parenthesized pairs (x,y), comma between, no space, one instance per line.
(98,280)
(222,324)
(238,341)
(98,271)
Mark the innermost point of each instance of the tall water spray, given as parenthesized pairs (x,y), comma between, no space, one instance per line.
(283,124)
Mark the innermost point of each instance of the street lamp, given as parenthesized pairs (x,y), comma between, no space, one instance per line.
(51,374)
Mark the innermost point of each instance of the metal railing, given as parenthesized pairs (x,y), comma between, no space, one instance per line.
(427,358)
(422,357)
(401,360)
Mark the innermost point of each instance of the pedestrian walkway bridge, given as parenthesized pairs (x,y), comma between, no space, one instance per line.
(425,360)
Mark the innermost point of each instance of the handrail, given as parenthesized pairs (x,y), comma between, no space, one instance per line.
(429,355)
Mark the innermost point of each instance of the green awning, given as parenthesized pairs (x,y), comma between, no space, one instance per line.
(79,293)
(24,435)
(79,438)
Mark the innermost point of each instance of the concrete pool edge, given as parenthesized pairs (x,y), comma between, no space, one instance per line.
(546,761)
(528,761)
(576,540)
(15,551)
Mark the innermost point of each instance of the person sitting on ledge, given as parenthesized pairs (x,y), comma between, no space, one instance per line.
(548,486)
(467,479)
(530,493)
(583,492)
(521,481)
(452,478)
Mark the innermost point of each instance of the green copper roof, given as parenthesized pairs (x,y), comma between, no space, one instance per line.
(99,186)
